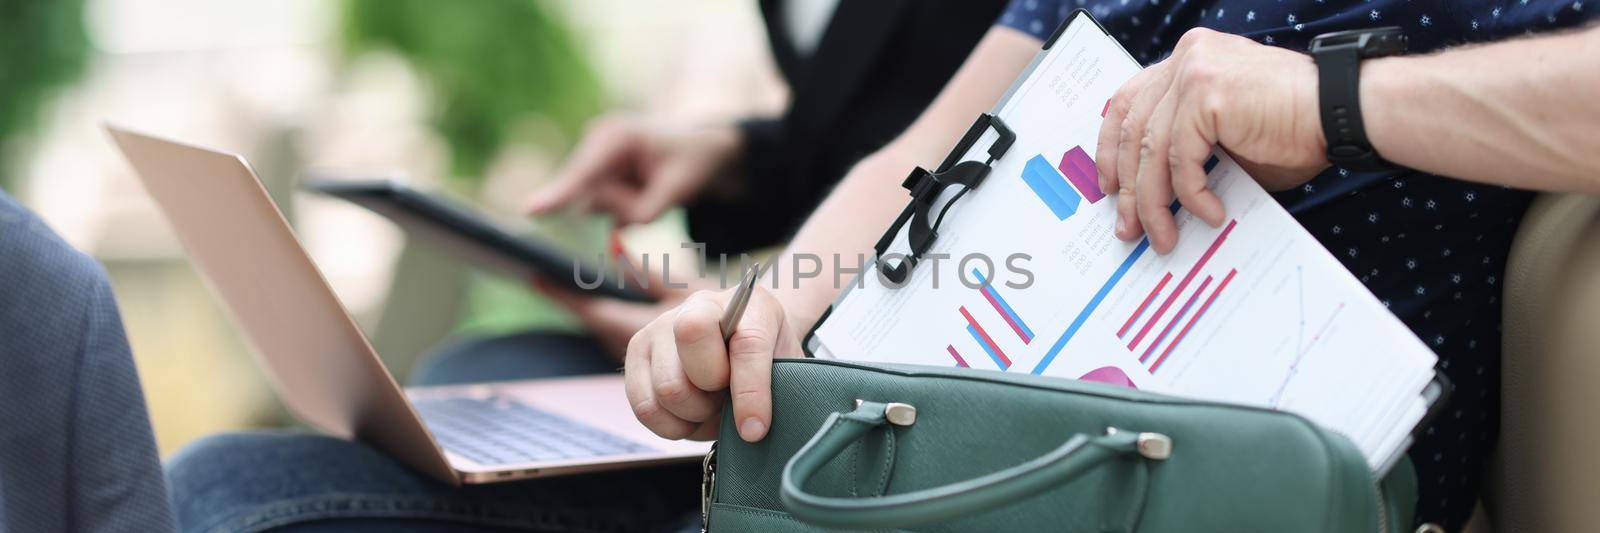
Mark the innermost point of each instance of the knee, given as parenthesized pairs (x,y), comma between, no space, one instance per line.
(223,479)
(223,465)
(205,467)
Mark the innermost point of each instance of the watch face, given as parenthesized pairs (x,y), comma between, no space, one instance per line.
(1384,43)
(1370,42)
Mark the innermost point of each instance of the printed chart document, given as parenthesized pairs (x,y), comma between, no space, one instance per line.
(1254,311)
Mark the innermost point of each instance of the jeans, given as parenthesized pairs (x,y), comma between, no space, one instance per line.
(303,482)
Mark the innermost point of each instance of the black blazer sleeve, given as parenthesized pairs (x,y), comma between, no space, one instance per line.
(878,65)
(759,210)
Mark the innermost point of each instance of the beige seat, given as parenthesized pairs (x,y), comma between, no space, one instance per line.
(1546,474)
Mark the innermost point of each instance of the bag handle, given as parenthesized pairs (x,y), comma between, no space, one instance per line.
(1073,458)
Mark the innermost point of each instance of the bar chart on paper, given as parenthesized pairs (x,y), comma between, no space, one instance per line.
(1194,305)
(1047,184)
(1079,170)
(1002,308)
(994,332)
(981,337)
(1065,186)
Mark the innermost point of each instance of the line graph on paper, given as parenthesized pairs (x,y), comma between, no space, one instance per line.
(1302,345)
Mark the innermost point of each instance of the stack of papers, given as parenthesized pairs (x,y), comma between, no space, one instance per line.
(1255,311)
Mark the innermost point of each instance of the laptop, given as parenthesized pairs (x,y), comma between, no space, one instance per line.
(325,370)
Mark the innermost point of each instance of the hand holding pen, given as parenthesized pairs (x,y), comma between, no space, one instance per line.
(679,366)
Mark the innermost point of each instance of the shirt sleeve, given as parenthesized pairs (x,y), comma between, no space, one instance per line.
(1038,18)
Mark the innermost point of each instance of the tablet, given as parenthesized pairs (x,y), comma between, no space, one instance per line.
(463,231)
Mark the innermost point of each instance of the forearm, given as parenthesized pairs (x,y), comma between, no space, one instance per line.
(1523,113)
(839,233)
(856,213)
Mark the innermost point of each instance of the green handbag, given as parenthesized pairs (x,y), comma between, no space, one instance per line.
(895,447)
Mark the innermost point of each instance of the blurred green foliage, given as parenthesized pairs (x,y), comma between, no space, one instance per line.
(492,66)
(43,46)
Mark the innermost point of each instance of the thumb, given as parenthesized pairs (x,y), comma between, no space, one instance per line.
(750,353)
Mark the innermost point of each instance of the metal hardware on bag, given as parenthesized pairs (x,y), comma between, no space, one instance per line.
(1430,528)
(1153,446)
(708,486)
(899,414)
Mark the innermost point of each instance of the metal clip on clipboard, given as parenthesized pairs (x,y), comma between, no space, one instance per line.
(926,187)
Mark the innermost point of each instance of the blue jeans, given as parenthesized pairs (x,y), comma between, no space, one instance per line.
(303,482)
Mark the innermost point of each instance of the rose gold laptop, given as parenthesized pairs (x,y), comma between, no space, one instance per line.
(327,373)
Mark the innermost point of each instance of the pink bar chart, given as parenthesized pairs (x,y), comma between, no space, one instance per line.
(1079,169)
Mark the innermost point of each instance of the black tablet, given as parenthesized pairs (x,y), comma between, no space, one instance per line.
(461,230)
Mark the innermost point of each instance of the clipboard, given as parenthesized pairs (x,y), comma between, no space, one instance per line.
(921,218)
(926,186)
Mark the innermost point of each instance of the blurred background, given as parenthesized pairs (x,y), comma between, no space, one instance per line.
(482,98)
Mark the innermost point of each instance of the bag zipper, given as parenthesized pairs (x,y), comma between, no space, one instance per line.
(1383,510)
(708,487)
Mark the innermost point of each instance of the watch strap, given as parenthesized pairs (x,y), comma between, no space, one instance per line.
(1339,100)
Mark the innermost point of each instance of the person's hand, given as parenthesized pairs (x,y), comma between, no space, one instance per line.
(610,321)
(1258,102)
(678,366)
(613,322)
(635,169)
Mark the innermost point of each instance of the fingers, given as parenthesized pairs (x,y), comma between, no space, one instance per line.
(750,353)
(678,365)
(1136,123)
(1105,155)
(1127,228)
(1192,126)
(698,333)
(672,388)
(743,365)
(641,392)
(1193,135)
(612,197)
(1154,182)
(605,151)
(1125,155)
(1157,135)
(657,195)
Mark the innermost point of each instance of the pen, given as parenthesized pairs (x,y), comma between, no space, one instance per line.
(741,297)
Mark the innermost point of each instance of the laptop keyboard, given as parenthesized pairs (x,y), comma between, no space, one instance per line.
(498,431)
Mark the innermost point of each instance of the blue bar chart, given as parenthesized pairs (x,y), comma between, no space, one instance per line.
(1051,187)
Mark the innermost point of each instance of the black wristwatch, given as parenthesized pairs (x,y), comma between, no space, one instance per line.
(1338,56)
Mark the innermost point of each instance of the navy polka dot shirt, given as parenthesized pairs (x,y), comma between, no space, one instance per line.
(1433,249)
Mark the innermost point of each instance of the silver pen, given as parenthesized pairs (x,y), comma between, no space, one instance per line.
(741,298)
